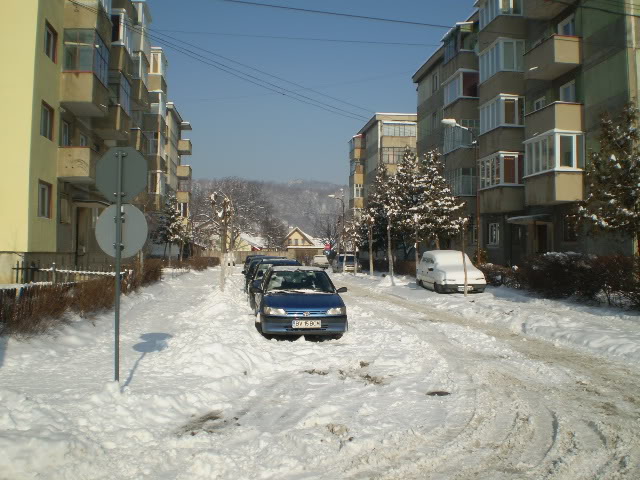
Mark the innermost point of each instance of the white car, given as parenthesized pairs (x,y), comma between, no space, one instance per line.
(320,261)
(443,272)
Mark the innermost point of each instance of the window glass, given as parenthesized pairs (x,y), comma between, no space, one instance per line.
(46,121)
(510,110)
(566,151)
(50,41)
(509,169)
(44,199)
(84,51)
(568,92)
(65,139)
(83,140)
(509,56)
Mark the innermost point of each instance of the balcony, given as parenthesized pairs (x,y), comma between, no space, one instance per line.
(77,164)
(183,197)
(543,9)
(115,126)
(93,18)
(140,94)
(183,172)
(120,59)
(554,187)
(501,199)
(357,154)
(157,82)
(559,115)
(156,163)
(83,94)
(552,58)
(184,146)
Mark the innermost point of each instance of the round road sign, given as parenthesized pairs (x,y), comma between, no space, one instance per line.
(134,173)
(134,230)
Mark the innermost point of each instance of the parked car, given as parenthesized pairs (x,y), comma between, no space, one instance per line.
(443,272)
(300,301)
(344,263)
(247,260)
(261,270)
(320,261)
(251,269)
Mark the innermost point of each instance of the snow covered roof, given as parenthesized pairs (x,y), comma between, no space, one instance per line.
(252,240)
(315,243)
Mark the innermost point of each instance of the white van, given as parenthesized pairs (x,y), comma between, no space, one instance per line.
(320,261)
(442,271)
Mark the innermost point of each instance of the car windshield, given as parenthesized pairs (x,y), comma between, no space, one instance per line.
(347,258)
(300,280)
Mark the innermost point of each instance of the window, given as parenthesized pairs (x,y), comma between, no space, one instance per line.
(494,234)
(500,169)
(462,181)
(461,37)
(490,9)
(463,84)
(568,92)
(570,228)
(295,241)
(435,82)
(553,151)
(121,33)
(399,129)
(65,137)
(46,121)
(394,155)
(50,42)
(504,55)
(158,63)
(539,103)
(84,141)
(357,190)
(183,208)
(567,26)
(84,51)
(504,110)
(44,199)
(120,91)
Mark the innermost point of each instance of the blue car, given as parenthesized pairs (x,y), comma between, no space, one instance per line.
(296,300)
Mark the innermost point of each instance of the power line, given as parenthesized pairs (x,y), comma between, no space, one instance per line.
(336,14)
(306,39)
(241,75)
(271,75)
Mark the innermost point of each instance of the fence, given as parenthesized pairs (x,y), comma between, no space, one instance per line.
(54,274)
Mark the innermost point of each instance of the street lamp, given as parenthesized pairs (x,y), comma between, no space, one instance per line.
(451,122)
(342,223)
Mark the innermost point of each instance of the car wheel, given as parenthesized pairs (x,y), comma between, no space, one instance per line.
(437,288)
(337,336)
(480,290)
(420,284)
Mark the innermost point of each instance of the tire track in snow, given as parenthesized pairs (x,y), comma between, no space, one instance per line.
(526,423)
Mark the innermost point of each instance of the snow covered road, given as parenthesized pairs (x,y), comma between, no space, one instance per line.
(422,386)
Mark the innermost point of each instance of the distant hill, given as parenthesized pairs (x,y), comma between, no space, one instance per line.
(299,203)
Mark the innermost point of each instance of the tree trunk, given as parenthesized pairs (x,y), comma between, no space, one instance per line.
(416,248)
(370,250)
(389,251)
(437,242)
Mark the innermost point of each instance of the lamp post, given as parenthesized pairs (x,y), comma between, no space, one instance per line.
(451,122)
(341,224)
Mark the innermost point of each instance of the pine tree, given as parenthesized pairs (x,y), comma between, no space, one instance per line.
(613,177)
(435,213)
(172,228)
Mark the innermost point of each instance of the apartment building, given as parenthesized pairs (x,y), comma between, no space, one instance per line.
(79,86)
(546,71)
(447,86)
(383,139)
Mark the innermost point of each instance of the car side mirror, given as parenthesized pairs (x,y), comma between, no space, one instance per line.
(255,286)
(341,290)
(431,269)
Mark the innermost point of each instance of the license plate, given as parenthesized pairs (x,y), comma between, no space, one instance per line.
(305,324)
(461,288)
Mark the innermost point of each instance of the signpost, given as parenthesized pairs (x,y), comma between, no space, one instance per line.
(121,174)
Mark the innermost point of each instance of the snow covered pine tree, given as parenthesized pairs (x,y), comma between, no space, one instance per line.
(613,177)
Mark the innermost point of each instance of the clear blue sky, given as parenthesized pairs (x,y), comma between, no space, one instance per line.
(240,129)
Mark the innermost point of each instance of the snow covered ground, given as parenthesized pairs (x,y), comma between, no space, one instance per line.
(422,386)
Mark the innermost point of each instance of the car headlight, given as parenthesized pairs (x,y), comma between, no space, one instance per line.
(274,311)
(337,311)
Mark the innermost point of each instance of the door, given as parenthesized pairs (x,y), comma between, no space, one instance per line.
(542,244)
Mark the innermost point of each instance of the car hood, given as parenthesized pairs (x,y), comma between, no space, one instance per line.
(303,300)
(455,272)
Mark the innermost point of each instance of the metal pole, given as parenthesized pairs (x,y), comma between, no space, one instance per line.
(118,248)
(478,223)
